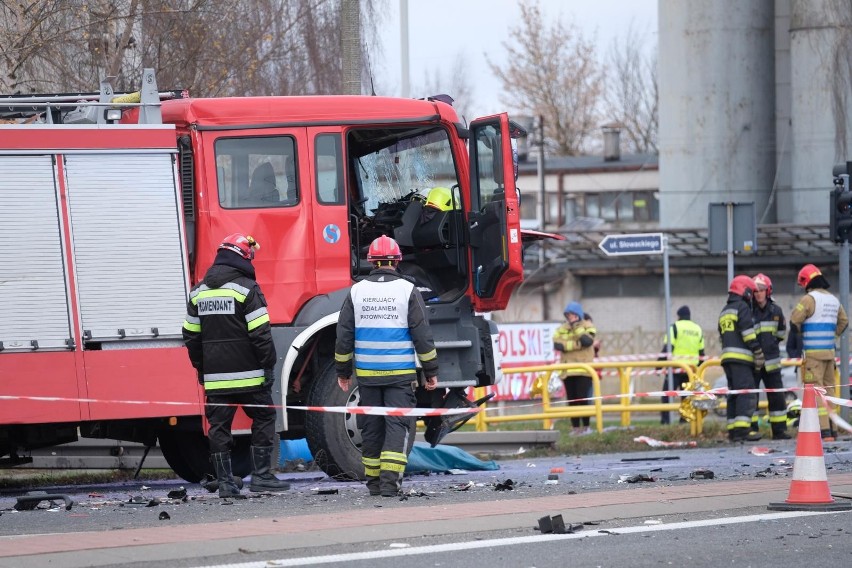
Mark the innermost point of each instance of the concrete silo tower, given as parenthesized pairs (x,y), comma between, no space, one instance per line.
(717,107)
(820,37)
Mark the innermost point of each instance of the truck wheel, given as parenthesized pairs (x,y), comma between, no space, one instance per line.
(188,454)
(334,438)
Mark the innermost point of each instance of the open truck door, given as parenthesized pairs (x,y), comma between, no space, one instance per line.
(494,220)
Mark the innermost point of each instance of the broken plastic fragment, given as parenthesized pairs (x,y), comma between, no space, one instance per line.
(179,493)
(661,444)
(702,474)
(761,451)
(634,478)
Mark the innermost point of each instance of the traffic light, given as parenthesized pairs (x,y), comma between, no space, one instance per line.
(840,225)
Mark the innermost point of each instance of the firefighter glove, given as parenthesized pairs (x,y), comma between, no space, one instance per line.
(268,378)
(759,360)
(559,347)
(586,340)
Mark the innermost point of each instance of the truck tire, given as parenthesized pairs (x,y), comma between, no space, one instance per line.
(334,438)
(188,454)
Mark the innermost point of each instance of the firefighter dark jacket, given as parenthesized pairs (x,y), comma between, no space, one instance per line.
(381,329)
(771,328)
(737,332)
(227,331)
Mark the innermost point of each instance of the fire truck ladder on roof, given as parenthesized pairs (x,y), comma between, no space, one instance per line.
(103,107)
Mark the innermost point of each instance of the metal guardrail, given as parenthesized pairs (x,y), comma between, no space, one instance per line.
(626,405)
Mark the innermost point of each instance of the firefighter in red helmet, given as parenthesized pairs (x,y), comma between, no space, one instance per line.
(381,332)
(229,341)
(771,330)
(820,320)
(741,356)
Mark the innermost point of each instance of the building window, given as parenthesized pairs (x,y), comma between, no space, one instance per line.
(529,206)
(621,206)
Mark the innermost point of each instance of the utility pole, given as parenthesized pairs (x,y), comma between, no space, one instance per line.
(403,50)
(541,193)
(350,46)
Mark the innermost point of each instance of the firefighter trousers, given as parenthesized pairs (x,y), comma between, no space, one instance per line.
(740,406)
(386,440)
(222,417)
(578,387)
(777,401)
(820,373)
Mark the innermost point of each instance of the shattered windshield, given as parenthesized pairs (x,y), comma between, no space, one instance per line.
(408,163)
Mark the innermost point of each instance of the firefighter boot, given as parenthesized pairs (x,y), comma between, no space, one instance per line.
(743,435)
(262,478)
(211,484)
(225,476)
(391,483)
(374,485)
(779,431)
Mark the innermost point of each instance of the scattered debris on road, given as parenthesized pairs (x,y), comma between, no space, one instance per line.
(702,474)
(626,478)
(661,444)
(30,501)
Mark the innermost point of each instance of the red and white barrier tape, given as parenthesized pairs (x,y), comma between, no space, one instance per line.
(426,412)
(372,410)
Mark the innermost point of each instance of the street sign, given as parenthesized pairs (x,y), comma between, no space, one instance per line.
(642,243)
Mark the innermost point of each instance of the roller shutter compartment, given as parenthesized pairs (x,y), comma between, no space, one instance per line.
(128,245)
(34,311)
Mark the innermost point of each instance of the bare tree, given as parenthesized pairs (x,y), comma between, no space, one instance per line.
(209,47)
(551,70)
(631,96)
(452,81)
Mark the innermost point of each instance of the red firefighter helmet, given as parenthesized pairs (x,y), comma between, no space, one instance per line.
(384,248)
(806,274)
(743,285)
(763,280)
(243,245)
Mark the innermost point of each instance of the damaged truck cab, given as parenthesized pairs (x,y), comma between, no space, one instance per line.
(131,212)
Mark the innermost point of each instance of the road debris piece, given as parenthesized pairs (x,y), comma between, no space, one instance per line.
(661,444)
(548,524)
(761,451)
(702,474)
(653,522)
(326,492)
(164,516)
(179,493)
(464,486)
(399,545)
(140,501)
(31,500)
(557,470)
(552,479)
(626,478)
(507,485)
(652,458)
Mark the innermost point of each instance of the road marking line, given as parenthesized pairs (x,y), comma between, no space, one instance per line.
(452,547)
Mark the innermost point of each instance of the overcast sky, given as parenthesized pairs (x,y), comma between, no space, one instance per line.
(440,30)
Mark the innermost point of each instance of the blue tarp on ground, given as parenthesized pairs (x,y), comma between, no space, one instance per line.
(441,459)
(423,457)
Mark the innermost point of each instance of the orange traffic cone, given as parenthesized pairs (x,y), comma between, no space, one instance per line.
(809,488)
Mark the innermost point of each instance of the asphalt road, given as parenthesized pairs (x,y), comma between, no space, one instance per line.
(474,513)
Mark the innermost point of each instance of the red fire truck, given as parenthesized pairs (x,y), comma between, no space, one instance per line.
(112,207)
